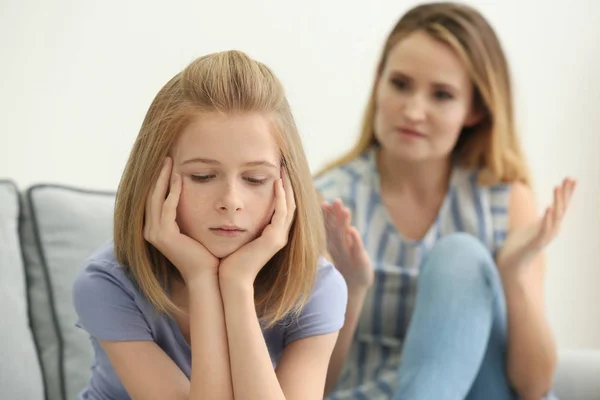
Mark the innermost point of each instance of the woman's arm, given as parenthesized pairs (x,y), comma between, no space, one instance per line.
(532,354)
(349,256)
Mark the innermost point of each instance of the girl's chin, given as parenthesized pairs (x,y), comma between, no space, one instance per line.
(221,250)
(222,247)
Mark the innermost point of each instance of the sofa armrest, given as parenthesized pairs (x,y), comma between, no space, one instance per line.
(578,374)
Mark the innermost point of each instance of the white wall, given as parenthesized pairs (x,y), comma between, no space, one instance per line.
(76,78)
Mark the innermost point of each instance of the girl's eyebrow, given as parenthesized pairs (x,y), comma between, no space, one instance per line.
(210,161)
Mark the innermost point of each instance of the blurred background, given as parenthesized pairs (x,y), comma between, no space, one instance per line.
(76,78)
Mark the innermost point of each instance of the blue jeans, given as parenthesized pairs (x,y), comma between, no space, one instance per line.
(455,347)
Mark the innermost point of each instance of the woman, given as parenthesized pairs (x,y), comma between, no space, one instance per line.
(432,221)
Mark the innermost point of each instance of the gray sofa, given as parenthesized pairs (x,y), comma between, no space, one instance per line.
(46,231)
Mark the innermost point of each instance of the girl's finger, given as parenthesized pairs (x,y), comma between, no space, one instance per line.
(156,197)
(169,210)
(279,217)
(290,201)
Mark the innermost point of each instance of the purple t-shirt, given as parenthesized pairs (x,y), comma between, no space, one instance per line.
(110,307)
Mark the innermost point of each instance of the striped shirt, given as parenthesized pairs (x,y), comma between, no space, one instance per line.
(370,372)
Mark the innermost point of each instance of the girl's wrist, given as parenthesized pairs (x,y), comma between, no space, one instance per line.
(200,277)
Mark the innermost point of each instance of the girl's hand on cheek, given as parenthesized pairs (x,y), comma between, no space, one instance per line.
(243,265)
(190,257)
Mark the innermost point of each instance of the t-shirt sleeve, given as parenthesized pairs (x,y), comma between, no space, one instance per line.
(326,309)
(105,304)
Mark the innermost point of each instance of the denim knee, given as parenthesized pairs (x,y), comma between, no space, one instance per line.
(459,257)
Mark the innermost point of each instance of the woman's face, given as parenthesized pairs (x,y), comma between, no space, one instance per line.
(424,98)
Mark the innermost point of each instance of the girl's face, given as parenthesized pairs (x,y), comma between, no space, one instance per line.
(424,97)
(228,164)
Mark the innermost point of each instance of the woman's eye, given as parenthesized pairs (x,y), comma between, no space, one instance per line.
(399,83)
(202,178)
(442,95)
(256,181)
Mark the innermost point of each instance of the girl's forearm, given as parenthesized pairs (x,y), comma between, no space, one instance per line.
(211,374)
(252,371)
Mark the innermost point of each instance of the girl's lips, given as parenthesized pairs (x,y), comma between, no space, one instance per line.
(227,231)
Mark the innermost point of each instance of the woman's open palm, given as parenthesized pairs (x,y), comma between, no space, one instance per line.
(345,246)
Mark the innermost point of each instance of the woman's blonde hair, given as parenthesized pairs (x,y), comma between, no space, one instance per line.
(228,82)
(492,145)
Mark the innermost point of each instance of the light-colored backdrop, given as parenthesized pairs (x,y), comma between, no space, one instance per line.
(76,78)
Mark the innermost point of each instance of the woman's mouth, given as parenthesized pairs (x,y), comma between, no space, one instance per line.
(410,133)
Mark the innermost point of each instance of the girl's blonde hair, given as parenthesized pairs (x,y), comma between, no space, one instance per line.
(491,146)
(228,82)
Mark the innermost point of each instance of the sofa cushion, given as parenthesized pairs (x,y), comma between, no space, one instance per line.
(20,373)
(61,227)
(578,374)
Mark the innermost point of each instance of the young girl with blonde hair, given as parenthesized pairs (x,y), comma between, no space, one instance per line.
(432,221)
(213,286)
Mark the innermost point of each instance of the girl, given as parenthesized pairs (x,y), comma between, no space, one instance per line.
(213,286)
(431,220)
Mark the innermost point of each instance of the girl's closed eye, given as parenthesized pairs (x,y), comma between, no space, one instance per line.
(202,178)
(255,180)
